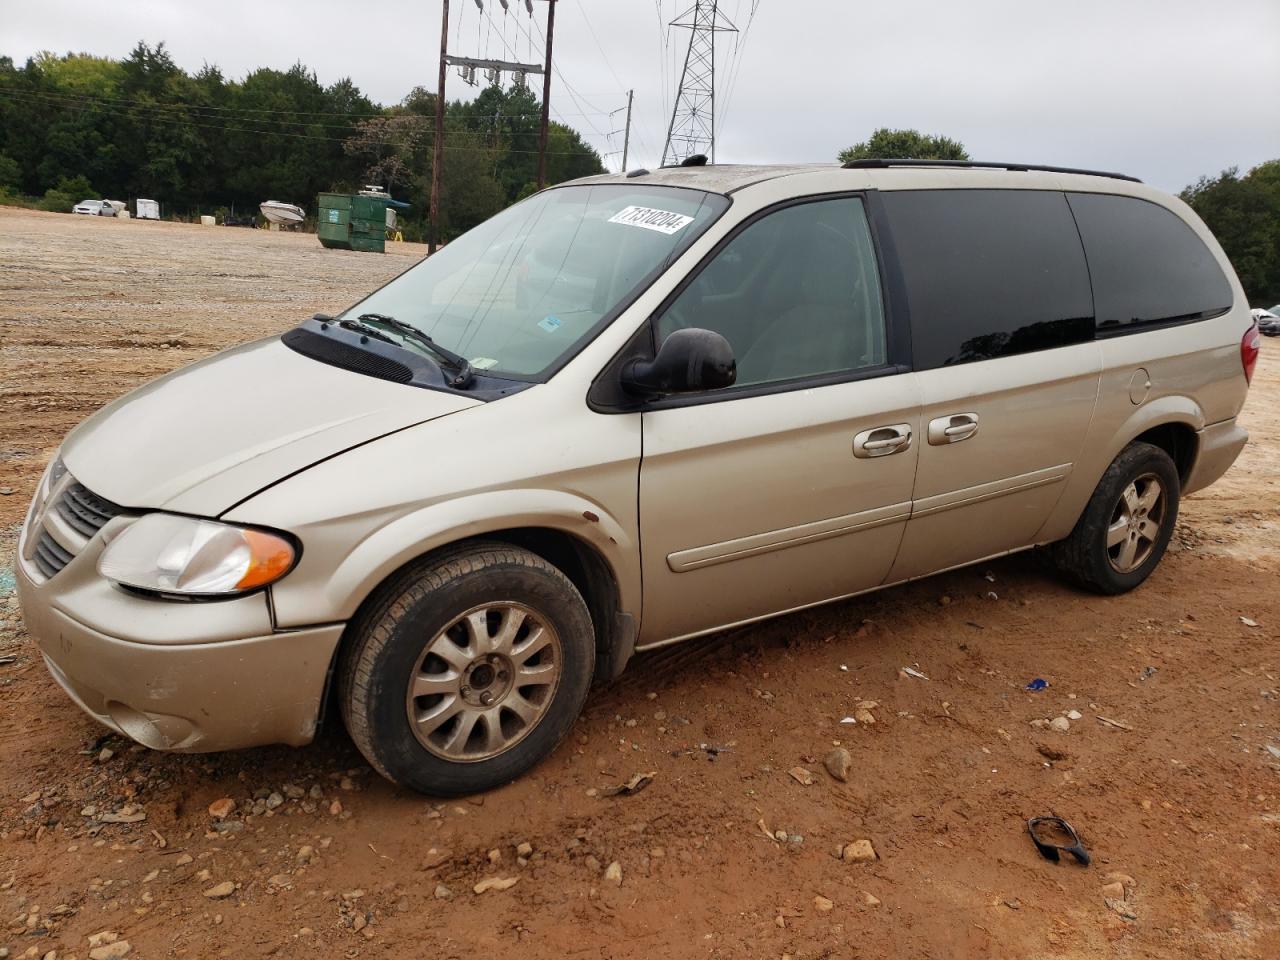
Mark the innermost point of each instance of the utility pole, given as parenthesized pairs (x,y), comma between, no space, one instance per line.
(693,116)
(437,162)
(469,67)
(546,98)
(626,137)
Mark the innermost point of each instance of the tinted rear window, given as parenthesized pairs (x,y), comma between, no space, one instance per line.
(1147,264)
(989,273)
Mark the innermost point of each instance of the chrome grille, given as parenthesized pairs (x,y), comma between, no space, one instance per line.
(86,511)
(67,515)
(49,557)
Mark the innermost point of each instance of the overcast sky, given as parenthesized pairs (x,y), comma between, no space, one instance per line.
(1165,90)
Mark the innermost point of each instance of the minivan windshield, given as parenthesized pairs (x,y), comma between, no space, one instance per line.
(523,291)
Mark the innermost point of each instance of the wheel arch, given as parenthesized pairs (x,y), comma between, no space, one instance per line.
(1176,438)
(591,547)
(1172,423)
(595,579)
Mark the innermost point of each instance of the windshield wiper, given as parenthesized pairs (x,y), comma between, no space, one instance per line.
(355,326)
(460,363)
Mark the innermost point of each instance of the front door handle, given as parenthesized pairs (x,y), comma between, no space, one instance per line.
(882,441)
(952,429)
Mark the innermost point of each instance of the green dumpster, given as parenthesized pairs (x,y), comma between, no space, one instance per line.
(350,222)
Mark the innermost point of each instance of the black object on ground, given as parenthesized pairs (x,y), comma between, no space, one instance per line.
(1047,831)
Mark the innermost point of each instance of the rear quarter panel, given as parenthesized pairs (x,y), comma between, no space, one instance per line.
(1194,368)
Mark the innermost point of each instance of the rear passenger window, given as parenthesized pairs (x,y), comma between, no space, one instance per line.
(1147,264)
(989,273)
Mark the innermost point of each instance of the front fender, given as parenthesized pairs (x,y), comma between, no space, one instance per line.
(406,537)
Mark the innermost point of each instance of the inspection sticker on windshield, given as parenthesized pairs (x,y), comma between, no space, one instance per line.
(550,324)
(664,221)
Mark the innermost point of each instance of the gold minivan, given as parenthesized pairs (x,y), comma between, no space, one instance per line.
(629,411)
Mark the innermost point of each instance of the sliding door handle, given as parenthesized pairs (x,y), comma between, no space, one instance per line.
(952,429)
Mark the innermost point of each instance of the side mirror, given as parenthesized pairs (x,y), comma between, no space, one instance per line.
(688,360)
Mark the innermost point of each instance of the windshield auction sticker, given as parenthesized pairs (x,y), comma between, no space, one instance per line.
(664,221)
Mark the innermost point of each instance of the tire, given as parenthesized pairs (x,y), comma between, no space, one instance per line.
(1091,555)
(461,625)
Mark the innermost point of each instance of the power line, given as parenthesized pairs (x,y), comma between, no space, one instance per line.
(102,98)
(180,105)
(574,93)
(192,122)
(413,120)
(604,56)
(735,69)
(664,37)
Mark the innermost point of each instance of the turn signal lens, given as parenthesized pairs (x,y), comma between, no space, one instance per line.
(270,558)
(164,553)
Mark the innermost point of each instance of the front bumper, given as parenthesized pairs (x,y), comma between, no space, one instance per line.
(184,696)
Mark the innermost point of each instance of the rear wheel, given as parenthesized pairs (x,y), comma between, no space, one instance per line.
(1127,524)
(466,671)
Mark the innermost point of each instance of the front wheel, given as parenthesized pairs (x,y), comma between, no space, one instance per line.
(1124,530)
(466,671)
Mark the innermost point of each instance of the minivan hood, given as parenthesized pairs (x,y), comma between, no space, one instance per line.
(203,438)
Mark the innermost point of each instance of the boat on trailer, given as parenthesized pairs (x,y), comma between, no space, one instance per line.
(278,212)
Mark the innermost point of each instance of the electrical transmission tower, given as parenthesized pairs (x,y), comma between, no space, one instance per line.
(693,116)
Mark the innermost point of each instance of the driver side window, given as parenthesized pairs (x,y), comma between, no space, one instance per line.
(796,294)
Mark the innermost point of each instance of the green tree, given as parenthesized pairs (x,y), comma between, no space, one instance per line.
(508,120)
(144,127)
(1244,214)
(81,73)
(491,154)
(887,144)
(10,172)
(469,193)
(66,194)
(152,129)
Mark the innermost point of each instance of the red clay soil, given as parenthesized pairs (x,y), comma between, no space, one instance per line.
(725,853)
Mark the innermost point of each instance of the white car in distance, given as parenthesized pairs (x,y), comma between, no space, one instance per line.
(95,208)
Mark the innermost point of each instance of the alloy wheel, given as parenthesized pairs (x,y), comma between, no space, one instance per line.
(484,682)
(1135,523)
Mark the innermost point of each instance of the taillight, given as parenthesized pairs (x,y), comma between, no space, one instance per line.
(1250,345)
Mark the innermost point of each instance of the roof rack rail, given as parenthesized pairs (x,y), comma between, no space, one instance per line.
(981,164)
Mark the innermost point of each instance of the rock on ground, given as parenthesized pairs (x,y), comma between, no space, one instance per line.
(859,851)
(838,763)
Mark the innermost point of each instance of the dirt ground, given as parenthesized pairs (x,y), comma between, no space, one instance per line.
(1181,796)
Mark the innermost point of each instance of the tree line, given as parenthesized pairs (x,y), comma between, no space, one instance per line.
(1242,211)
(1244,214)
(76,127)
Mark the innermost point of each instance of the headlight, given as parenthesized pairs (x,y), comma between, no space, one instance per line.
(180,555)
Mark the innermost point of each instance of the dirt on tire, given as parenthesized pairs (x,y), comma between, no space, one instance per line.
(689,813)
